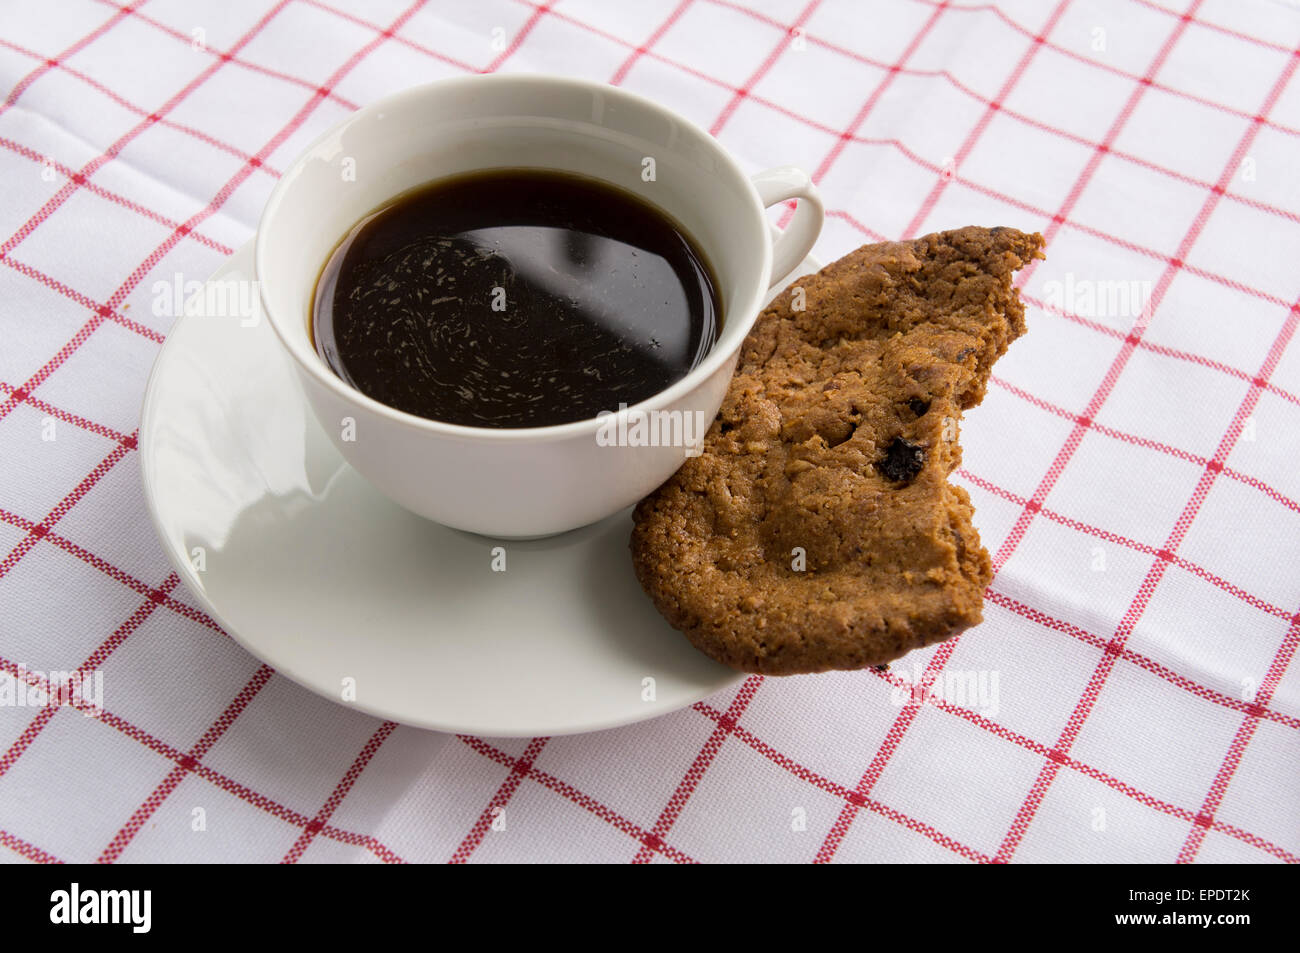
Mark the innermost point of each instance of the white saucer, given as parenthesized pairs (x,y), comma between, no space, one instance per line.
(322,577)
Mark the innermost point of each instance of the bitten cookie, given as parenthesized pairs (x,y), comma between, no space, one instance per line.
(818,529)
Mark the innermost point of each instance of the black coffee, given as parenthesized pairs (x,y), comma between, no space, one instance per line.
(514,299)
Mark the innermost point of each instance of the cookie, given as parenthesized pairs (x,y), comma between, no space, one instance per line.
(818,529)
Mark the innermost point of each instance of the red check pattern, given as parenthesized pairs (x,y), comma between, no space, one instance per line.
(1131,694)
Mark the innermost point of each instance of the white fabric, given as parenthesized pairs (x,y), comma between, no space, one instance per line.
(1130,696)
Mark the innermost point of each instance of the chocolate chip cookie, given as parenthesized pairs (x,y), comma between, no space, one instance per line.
(818,529)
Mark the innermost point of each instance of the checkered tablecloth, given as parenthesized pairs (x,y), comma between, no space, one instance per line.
(1131,695)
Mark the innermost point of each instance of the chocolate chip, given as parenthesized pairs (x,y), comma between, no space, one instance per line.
(918,406)
(881,668)
(902,461)
(964,353)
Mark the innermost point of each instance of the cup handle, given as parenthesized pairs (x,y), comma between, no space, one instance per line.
(792,245)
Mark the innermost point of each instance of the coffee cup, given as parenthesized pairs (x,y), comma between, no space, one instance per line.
(535,481)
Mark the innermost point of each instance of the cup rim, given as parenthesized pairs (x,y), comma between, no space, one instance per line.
(316,368)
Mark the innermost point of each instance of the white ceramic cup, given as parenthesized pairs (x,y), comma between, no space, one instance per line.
(535,481)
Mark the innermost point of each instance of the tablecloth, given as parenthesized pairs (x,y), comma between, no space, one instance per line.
(1131,694)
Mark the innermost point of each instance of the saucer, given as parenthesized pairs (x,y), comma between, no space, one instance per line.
(321,576)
